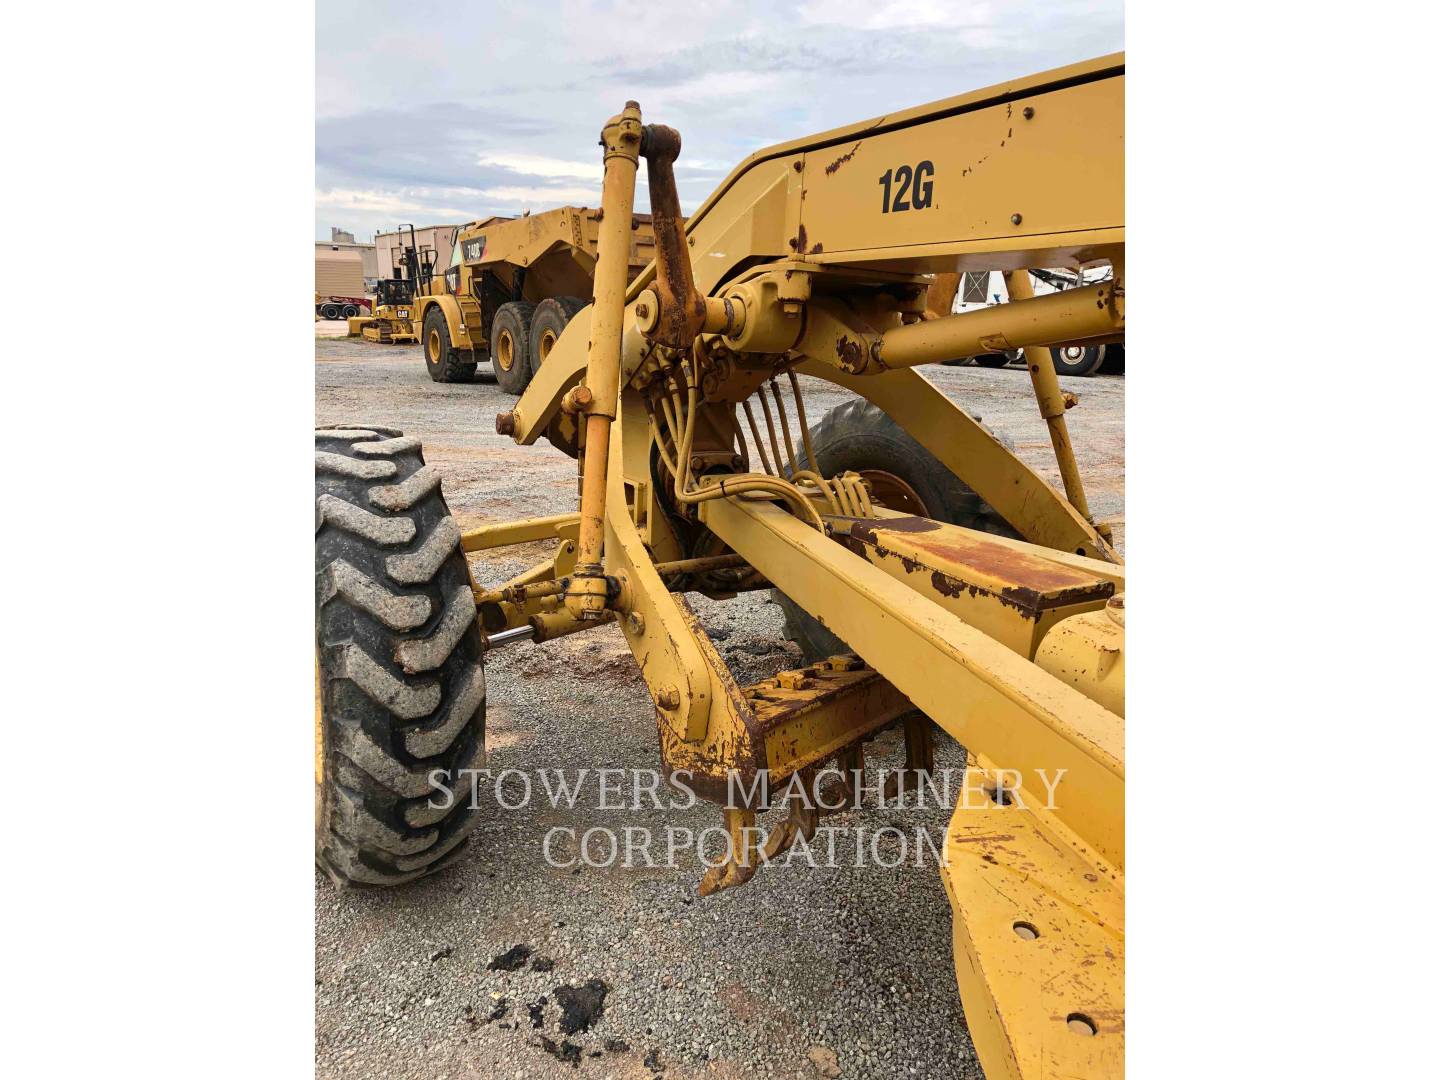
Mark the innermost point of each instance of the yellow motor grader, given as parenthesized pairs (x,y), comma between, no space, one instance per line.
(930,576)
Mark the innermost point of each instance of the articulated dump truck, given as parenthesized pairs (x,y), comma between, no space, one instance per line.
(929,575)
(513,287)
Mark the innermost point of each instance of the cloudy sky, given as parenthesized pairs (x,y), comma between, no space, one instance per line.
(435,113)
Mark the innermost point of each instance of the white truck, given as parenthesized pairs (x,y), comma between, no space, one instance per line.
(985,288)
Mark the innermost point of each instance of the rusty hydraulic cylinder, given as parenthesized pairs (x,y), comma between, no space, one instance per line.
(586,597)
(680,311)
(1074,315)
(1049,397)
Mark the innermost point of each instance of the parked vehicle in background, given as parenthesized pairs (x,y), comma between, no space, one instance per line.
(410,276)
(986,288)
(512,286)
(339,285)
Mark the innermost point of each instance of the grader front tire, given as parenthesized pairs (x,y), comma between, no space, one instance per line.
(400,695)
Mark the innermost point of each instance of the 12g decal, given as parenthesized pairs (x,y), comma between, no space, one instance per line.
(912,188)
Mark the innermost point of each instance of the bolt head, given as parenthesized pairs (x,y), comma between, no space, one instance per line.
(505,423)
(1015,219)
(1028,112)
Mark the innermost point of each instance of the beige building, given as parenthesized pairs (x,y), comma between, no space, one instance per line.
(439,238)
(342,245)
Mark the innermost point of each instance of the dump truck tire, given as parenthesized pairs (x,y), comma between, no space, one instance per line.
(548,323)
(1078,360)
(443,361)
(992,360)
(859,437)
(400,689)
(329,311)
(510,345)
(349,311)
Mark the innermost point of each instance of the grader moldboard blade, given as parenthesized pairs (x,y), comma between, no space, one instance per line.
(995,609)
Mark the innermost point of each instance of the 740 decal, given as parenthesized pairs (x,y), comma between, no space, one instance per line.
(912,188)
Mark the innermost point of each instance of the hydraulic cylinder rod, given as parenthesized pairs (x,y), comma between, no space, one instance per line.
(586,596)
(1049,398)
(1074,315)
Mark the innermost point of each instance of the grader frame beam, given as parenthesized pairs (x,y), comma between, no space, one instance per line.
(813,257)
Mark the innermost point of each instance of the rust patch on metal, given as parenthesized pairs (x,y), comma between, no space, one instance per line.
(946,585)
(850,354)
(682,310)
(834,166)
(865,528)
(987,839)
(797,242)
(1039,575)
(1035,584)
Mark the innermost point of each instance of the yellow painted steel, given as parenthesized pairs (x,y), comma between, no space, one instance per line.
(1073,315)
(991,700)
(554,527)
(462,319)
(1014,596)
(588,591)
(1047,387)
(1015,491)
(1039,929)
(1088,652)
(817,256)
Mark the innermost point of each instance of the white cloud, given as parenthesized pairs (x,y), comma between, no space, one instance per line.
(558,196)
(891,14)
(496,109)
(393,202)
(540,165)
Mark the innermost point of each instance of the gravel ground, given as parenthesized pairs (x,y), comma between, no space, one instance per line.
(798,971)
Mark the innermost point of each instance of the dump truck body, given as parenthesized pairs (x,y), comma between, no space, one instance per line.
(521,261)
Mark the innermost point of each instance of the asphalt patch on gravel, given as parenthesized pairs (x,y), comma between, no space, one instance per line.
(511,960)
(566,1051)
(581,1006)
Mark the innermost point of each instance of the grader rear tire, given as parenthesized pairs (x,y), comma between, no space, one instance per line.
(903,476)
(400,689)
(510,345)
(443,361)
